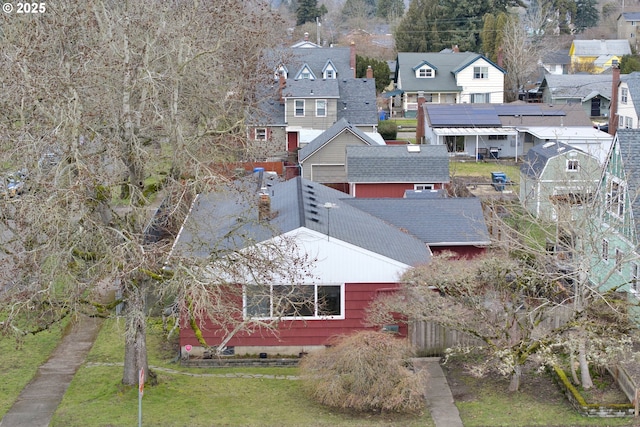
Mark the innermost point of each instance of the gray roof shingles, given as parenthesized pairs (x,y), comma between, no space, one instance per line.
(629,143)
(294,203)
(539,155)
(437,222)
(357,103)
(396,163)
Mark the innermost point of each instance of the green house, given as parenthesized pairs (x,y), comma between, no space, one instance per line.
(613,233)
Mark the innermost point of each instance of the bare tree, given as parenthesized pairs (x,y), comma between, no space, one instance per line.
(136,97)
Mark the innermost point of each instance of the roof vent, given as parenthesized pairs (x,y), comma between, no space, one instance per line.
(413,148)
(314,219)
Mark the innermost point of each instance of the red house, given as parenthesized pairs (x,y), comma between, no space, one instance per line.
(391,170)
(356,256)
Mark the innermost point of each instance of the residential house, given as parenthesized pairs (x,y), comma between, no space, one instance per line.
(354,257)
(508,130)
(627,26)
(313,89)
(455,224)
(596,56)
(556,62)
(323,159)
(628,105)
(615,261)
(391,170)
(591,91)
(554,176)
(447,78)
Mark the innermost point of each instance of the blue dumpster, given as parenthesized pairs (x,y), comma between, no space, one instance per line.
(498,179)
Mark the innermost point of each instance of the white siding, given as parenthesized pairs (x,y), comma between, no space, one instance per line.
(627,109)
(494,84)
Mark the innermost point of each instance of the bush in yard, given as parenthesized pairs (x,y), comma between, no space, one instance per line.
(388,130)
(367,372)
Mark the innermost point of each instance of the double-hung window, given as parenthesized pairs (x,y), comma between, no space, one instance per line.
(261,134)
(624,95)
(615,198)
(480,98)
(299,108)
(480,72)
(635,277)
(321,108)
(573,165)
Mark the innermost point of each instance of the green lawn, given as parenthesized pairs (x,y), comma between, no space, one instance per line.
(195,396)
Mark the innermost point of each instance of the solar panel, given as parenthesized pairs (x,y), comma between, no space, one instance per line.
(462,115)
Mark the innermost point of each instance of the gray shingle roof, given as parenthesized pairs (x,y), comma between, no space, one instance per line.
(631,16)
(357,102)
(539,155)
(629,143)
(633,83)
(578,85)
(306,88)
(318,58)
(437,222)
(325,137)
(601,47)
(446,64)
(294,203)
(396,163)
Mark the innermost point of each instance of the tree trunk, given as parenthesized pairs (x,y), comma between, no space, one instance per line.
(585,375)
(135,349)
(516,376)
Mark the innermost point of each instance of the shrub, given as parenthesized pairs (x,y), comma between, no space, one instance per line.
(367,372)
(388,130)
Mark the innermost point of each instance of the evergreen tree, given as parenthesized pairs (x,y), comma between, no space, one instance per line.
(359,8)
(380,68)
(488,36)
(586,14)
(307,11)
(414,32)
(390,9)
(629,64)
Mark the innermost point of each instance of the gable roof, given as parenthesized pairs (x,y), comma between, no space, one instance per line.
(305,88)
(580,86)
(601,47)
(628,141)
(213,222)
(397,163)
(357,103)
(539,155)
(317,60)
(447,65)
(325,137)
(452,221)
(630,16)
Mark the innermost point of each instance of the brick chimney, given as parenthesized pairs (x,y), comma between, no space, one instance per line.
(282,82)
(500,58)
(306,37)
(264,207)
(352,59)
(455,48)
(613,106)
(369,72)
(420,117)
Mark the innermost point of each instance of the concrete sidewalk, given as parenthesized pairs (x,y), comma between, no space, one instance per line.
(39,399)
(438,394)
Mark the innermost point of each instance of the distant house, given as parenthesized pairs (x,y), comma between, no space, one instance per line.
(554,175)
(391,170)
(597,55)
(591,91)
(556,62)
(627,26)
(455,224)
(447,78)
(615,260)
(323,160)
(357,257)
(509,130)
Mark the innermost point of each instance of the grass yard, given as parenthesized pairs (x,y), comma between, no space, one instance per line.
(195,396)
(19,362)
(471,168)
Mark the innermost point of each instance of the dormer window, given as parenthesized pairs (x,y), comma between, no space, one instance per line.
(329,74)
(425,72)
(280,71)
(305,73)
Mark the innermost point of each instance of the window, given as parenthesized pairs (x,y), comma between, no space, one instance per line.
(618,259)
(628,122)
(261,134)
(480,72)
(299,108)
(497,137)
(321,107)
(420,187)
(573,165)
(329,74)
(624,93)
(615,198)
(605,249)
(425,73)
(635,280)
(480,98)
(299,301)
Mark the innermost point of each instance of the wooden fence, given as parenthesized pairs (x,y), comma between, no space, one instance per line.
(430,339)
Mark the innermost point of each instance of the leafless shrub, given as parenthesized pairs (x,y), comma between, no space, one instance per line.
(367,372)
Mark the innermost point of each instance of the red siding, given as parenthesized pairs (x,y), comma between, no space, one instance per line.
(304,333)
(386,189)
